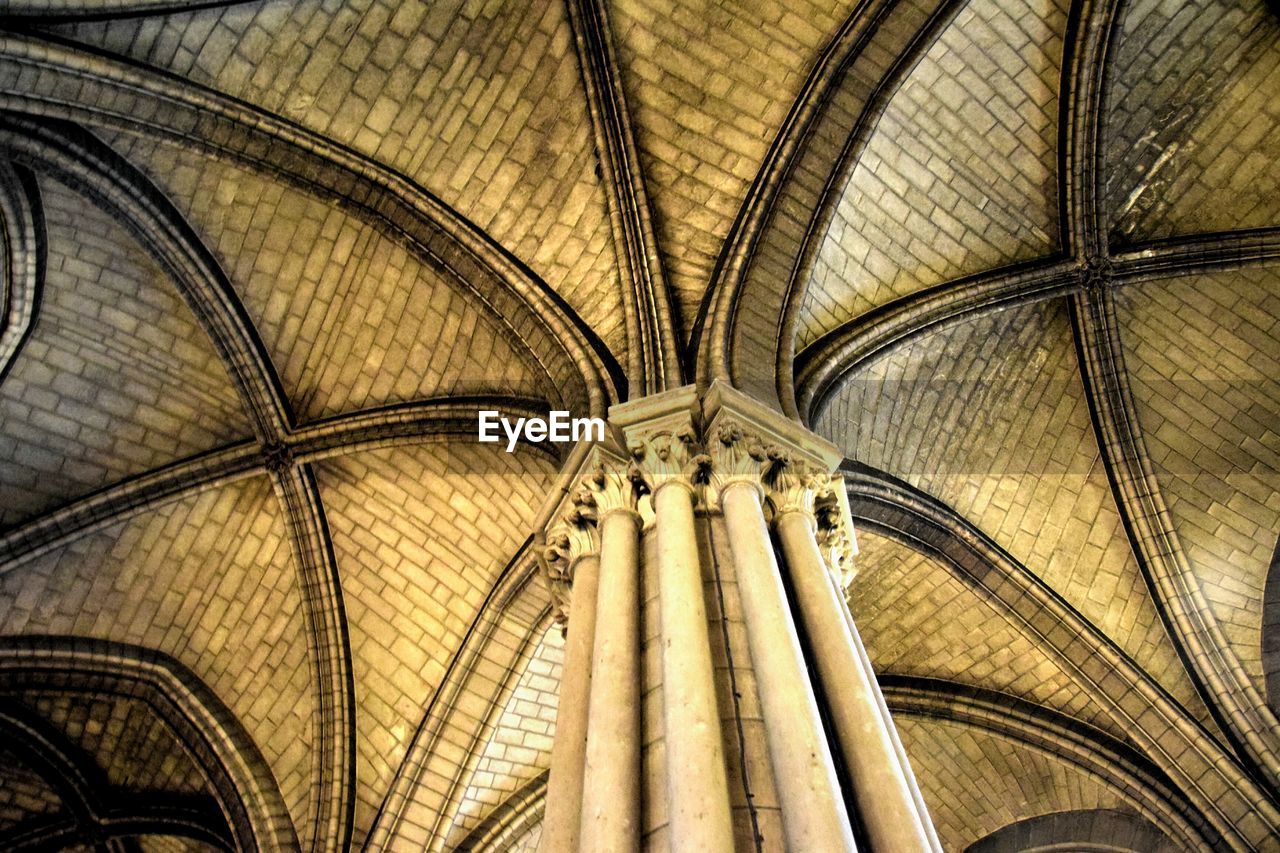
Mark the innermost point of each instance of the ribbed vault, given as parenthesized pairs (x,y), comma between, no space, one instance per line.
(263,261)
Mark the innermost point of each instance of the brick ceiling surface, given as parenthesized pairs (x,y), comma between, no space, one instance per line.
(1019,260)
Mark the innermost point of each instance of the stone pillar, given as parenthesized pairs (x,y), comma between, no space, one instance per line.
(881,784)
(611,780)
(813,812)
(572,564)
(660,436)
(734,693)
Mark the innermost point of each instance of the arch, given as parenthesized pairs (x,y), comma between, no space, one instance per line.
(75,157)
(245,790)
(501,638)
(1234,699)
(820,366)
(22,261)
(515,816)
(1115,763)
(435,420)
(1271,631)
(793,194)
(1085,830)
(57,11)
(1212,779)
(47,77)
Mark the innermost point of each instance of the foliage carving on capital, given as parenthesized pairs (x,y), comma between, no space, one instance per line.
(836,539)
(739,455)
(608,486)
(794,485)
(570,539)
(667,455)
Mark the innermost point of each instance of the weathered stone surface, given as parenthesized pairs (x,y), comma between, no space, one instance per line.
(1205,365)
(991,417)
(1192,132)
(959,173)
(117,378)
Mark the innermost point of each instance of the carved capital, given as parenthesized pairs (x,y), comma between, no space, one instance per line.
(836,538)
(607,486)
(572,538)
(739,455)
(793,485)
(567,542)
(666,456)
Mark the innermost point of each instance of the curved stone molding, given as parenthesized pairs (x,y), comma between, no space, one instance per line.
(1086,829)
(1271,631)
(448,419)
(246,789)
(1090,31)
(503,632)
(55,79)
(1098,754)
(22,261)
(333,758)
(510,820)
(765,251)
(821,366)
(1213,665)
(90,807)
(1219,787)
(69,10)
(81,161)
(653,362)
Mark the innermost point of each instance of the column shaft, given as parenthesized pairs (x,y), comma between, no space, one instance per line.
(569,753)
(813,813)
(697,787)
(611,782)
(881,788)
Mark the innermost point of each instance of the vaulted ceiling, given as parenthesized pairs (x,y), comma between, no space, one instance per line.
(263,261)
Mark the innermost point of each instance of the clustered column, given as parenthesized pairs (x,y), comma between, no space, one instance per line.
(572,561)
(883,786)
(677,456)
(664,448)
(611,786)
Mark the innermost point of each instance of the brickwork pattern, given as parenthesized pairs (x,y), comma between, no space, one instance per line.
(479,102)
(520,747)
(210,580)
(24,793)
(1192,126)
(528,843)
(959,175)
(990,417)
(974,782)
(420,535)
(1205,374)
(350,318)
(709,84)
(117,377)
(124,737)
(459,719)
(917,618)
